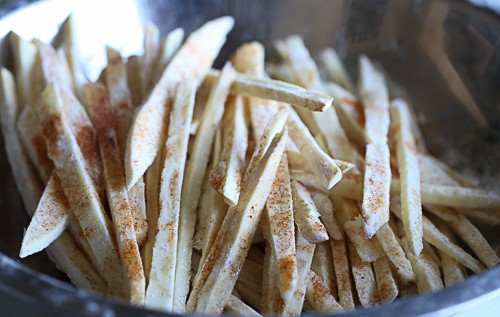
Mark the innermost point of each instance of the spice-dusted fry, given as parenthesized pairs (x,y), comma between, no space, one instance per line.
(24,175)
(319,296)
(387,288)
(195,170)
(150,56)
(280,220)
(364,278)
(306,215)
(49,220)
(226,176)
(324,166)
(170,44)
(377,177)
(102,113)
(213,282)
(79,188)
(335,68)
(237,307)
(192,61)
(251,86)
(395,253)
(342,273)
(160,292)
(322,266)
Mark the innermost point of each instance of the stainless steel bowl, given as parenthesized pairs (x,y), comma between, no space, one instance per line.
(444,56)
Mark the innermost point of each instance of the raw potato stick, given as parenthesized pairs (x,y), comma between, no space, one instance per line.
(160,291)
(195,171)
(168,47)
(319,296)
(213,282)
(364,278)
(252,86)
(306,215)
(24,55)
(453,272)
(377,176)
(387,287)
(193,60)
(148,59)
(322,266)
(271,300)
(102,113)
(326,211)
(335,68)
(226,176)
(79,188)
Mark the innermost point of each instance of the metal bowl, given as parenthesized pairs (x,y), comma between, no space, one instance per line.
(444,56)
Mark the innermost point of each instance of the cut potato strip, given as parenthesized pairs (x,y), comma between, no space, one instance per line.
(319,296)
(31,134)
(49,220)
(489,217)
(235,306)
(213,282)
(368,250)
(433,173)
(24,55)
(137,201)
(342,273)
(395,253)
(24,173)
(364,278)
(272,302)
(426,269)
(168,47)
(252,86)
(280,72)
(280,220)
(226,176)
(192,61)
(453,272)
(305,253)
(79,188)
(95,97)
(335,68)
(324,166)
(195,171)
(306,215)
(387,288)
(160,291)
(322,266)
(150,56)
(326,210)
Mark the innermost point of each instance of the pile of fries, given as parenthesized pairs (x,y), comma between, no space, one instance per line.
(186,189)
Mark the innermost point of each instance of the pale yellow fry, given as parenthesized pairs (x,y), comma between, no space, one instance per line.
(432,173)
(322,266)
(453,272)
(300,164)
(395,253)
(306,74)
(364,279)
(213,282)
(319,296)
(342,274)
(249,296)
(134,81)
(426,269)
(335,68)
(489,217)
(150,56)
(227,174)
(31,135)
(95,97)
(24,56)
(309,180)
(194,174)
(79,188)
(326,210)
(305,253)
(387,287)
(252,86)
(280,219)
(409,171)
(193,60)
(235,306)
(49,221)
(170,44)
(324,166)
(306,215)
(249,59)
(137,201)
(280,72)
(160,291)
(64,252)
(24,174)
(368,250)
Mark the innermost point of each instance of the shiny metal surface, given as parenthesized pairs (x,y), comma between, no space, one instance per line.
(443,55)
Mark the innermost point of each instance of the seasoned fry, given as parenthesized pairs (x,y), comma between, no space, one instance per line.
(195,171)
(306,215)
(368,250)
(160,291)
(212,284)
(364,278)
(319,297)
(79,188)
(226,176)
(387,288)
(335,68)
(326,210)
(322,266)
(150,56)
(191,61)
